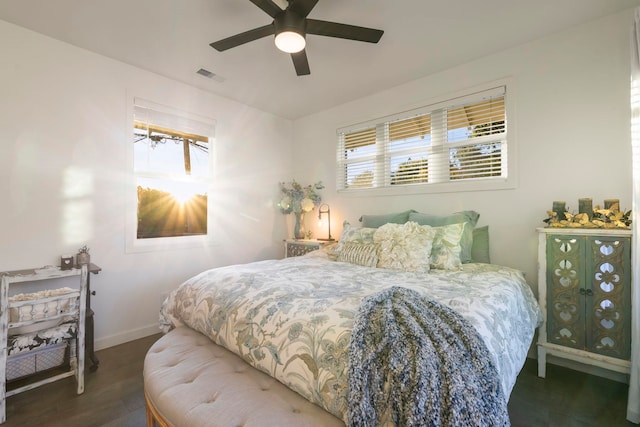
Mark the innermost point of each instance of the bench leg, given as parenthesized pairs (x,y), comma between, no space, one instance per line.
(150,420)
(153,417)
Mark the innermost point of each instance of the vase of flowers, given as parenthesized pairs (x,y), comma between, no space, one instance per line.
(298,199)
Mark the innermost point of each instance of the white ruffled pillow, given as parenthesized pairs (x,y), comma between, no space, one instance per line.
(446,250)
(405,246)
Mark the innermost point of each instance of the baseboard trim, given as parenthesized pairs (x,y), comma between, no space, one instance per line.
(588,369)
(126,336)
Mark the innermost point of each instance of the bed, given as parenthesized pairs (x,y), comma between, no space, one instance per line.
(301,319)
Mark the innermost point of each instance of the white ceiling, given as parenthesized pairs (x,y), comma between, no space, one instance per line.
(171,38)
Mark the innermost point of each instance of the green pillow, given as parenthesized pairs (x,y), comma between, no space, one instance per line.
(480,246)
(375,221)
(470,217)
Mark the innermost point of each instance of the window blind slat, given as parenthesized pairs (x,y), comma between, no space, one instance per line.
(359,139)
(476,161)
(480,113)
(360,175)
(414,127)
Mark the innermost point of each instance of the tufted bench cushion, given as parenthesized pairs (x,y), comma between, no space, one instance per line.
(191,381)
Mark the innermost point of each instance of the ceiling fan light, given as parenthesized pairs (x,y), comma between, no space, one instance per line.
(290,41)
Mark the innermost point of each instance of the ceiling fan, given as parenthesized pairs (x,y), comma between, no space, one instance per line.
(290,27)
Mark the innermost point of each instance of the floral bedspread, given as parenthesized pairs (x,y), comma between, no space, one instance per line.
(293,318)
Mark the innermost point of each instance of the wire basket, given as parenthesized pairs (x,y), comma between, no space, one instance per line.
(37,360)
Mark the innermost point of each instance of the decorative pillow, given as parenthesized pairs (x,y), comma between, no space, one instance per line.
(445,253)
(365,254)
(330,250)
(480,246)
(465,216)
(405,246)
(354,234)
(375,221)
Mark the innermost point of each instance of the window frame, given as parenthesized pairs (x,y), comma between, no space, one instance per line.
(133,244)
(461,185)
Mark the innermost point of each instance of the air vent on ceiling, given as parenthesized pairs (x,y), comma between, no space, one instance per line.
(208,74)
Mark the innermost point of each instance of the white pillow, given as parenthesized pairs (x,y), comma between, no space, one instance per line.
(405,246)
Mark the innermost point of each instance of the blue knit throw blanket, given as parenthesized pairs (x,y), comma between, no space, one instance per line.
(416,362)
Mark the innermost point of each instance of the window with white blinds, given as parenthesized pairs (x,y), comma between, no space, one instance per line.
(459,140)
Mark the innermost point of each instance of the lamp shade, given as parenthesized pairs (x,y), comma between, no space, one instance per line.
(290,41)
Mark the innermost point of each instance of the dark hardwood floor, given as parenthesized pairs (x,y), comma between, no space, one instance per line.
(114,397)
(567,398)
(113,394)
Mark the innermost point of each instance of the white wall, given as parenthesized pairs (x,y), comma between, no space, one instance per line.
(64,136)
(572,134)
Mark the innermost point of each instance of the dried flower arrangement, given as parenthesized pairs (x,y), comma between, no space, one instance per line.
(611,217)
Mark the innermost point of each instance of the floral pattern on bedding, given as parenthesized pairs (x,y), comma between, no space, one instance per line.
(293,318)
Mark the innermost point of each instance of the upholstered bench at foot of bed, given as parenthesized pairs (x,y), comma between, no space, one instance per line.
(190,381)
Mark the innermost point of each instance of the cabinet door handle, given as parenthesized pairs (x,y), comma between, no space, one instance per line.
(589,292)
(582,291)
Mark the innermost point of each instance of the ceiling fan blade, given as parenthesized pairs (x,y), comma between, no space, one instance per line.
(343,31)
(242,38)
(269,7)
(302,7)
(301,63)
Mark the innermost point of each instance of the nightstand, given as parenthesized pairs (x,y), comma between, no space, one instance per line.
(584,290)
(293,247)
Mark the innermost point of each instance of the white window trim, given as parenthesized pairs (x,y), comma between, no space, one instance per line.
(132,243)
(508,183)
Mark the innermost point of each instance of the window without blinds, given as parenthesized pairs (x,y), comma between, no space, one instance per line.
(172,168)
(464,139)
